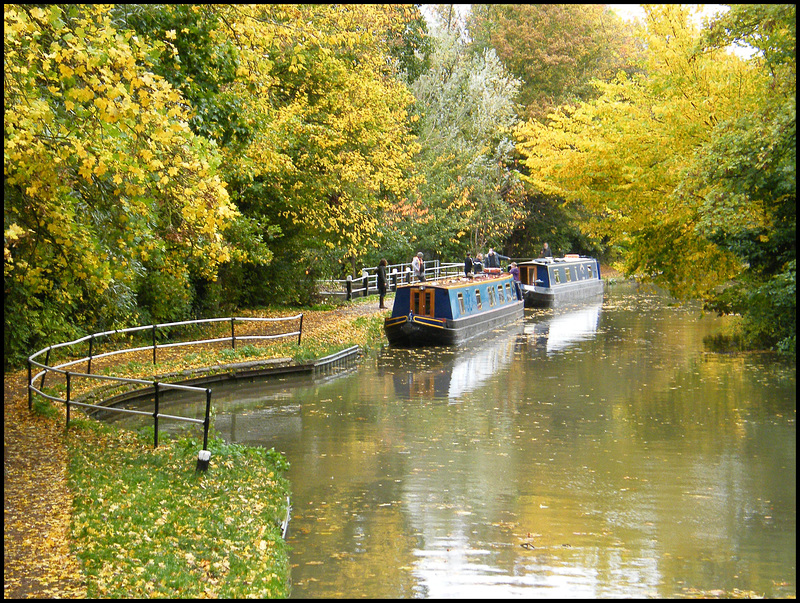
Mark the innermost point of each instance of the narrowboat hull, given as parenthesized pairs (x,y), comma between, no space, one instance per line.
(411,330)
(572,293)
(452,311)
(548,282)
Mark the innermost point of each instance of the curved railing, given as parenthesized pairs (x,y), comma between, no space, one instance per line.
(62,369)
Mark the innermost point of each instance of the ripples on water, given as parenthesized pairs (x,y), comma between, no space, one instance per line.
(594,451)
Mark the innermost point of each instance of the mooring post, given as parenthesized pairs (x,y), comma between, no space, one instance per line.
(203,459)
(233,336)
(349,287)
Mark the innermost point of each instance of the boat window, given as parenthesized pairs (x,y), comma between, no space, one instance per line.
(492,300)
(500,293)
(557,275)
(589,271)
(461,306)
(478,298)
(508,292)
(569,274)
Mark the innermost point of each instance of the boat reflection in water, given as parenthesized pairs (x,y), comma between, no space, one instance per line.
(448,373)
(563,327)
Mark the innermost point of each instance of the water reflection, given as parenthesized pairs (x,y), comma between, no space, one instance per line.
(449,373)
(602,455)
(553,330)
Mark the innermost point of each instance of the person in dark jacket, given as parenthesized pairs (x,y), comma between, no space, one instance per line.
(468,265)
(382,282)
(477,264)
(546,253)
(493,259)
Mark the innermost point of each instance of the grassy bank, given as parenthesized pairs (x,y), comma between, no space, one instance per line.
(146,524)
(142,522)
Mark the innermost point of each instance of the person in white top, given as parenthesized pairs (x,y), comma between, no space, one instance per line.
(418,267)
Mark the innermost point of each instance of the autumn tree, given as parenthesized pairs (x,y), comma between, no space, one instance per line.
(665,163)
(466,110)
(747,176)
(555,50)
(107,192)
(311,120)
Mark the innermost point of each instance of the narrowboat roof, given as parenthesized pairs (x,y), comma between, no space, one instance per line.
(454,282)
(569,258)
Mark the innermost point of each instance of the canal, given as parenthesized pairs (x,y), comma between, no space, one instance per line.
(593,451)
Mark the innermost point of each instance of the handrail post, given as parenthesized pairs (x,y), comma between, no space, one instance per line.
(154,345)
(89,363)
(47,364)
(204,455)
(300,330)
(207,419)
(233,337)
(69,389)
(30,389)
(155,417)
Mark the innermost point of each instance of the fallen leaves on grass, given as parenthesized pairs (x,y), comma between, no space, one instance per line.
(38,561)
(147,525)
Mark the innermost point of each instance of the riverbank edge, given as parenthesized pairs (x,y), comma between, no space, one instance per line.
(39,550)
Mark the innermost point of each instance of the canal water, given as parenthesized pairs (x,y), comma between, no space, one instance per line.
(592,451)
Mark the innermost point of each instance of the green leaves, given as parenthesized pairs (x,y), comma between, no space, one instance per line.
(467,111)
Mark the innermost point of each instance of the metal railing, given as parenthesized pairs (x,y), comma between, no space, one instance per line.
(397,274)
(60,369)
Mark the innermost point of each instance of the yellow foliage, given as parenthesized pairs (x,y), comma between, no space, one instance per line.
(353,138)
(626,155)
(114,113)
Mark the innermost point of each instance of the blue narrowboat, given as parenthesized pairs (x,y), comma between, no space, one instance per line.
(550,282)
(450,311)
